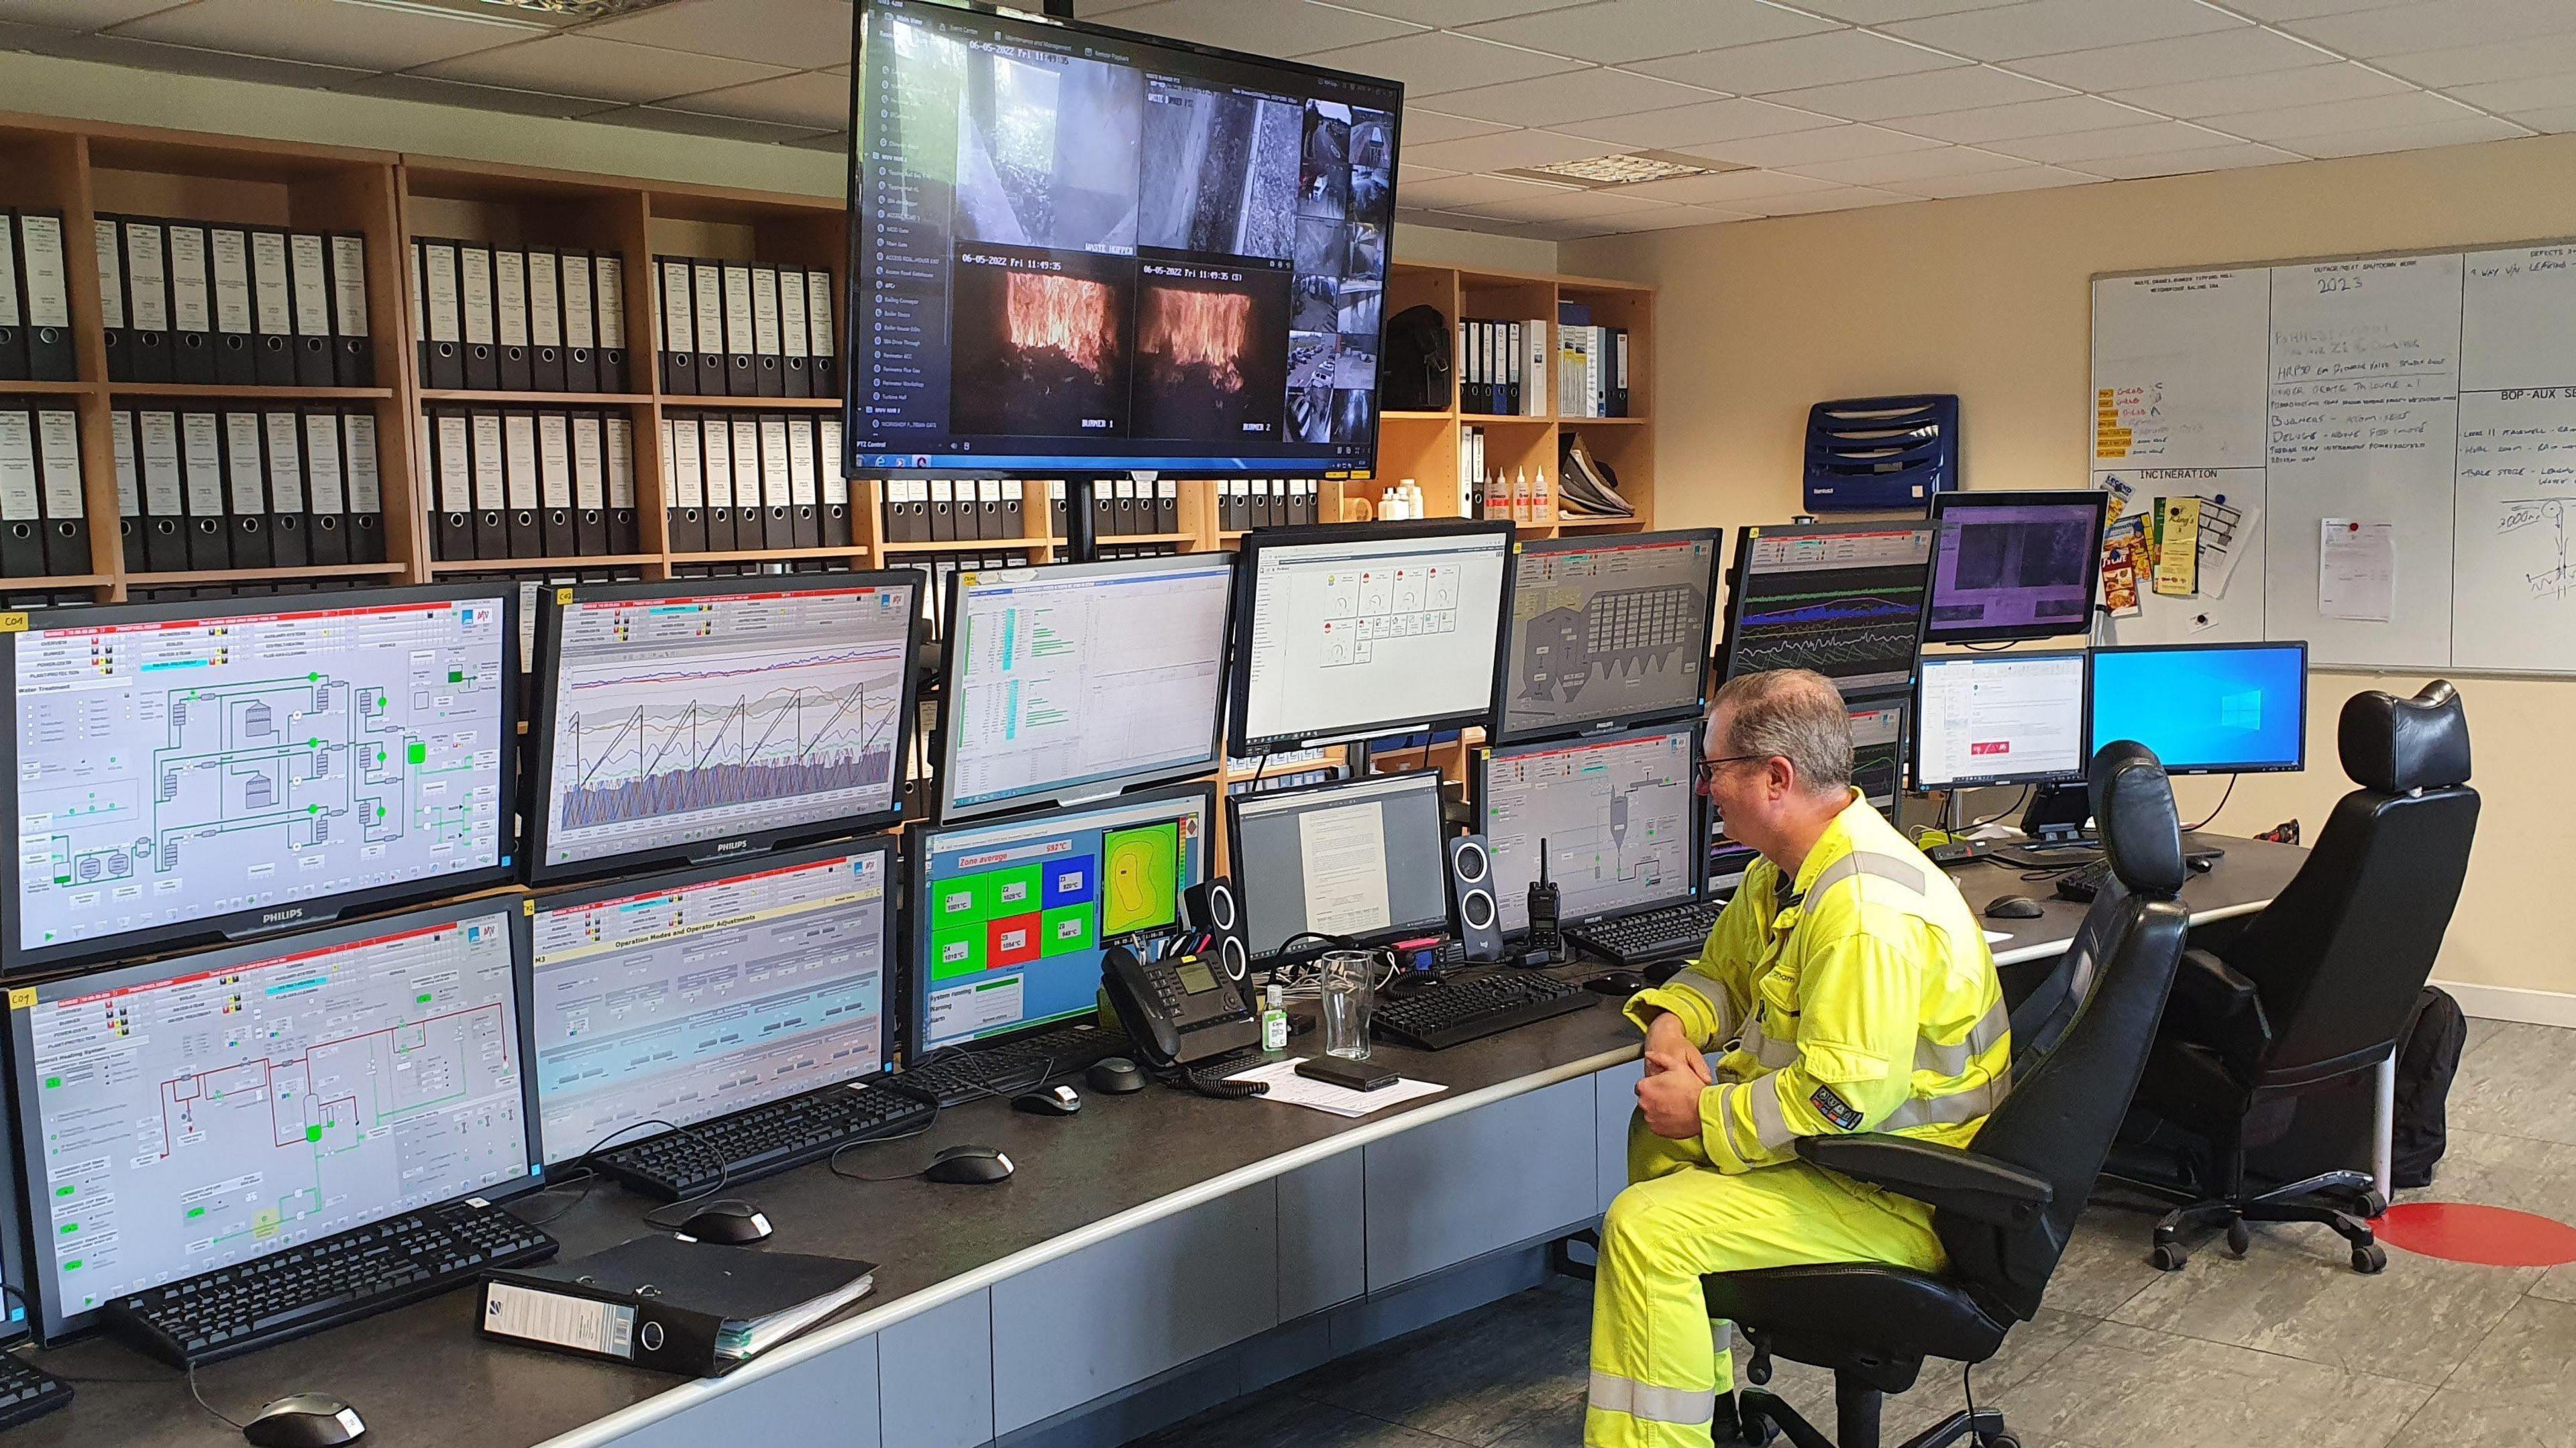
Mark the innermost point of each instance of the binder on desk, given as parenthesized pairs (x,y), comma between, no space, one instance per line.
(741,379)
(581,324)
(1167,505)
(679,330)
(308,255)
(108,239)
(444,365)
(451,463)
(201,465)
(839,528)
(271,362)
(290,534)
(669,1305)
(554,484)
(22,517)
(686,517)
(625,531)
(824,342)
(474,286)
(147,295)
(246,479)
(165,507)
(589,485)
(707,285)
(545,320)
(795,337)
(48,299)
(364,471)
(491,485)
(309,441)
(129,488)
(510,319)
(769,362)
(192,313)
(990,521)
(750,519)
(608,273)
(66,519)
(353,355)
(943,510)
(777,486)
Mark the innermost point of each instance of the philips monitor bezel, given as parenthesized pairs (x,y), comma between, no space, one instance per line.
(1949,503)
(1692,887)
(1504,731)
(2083,725)
(2092,686)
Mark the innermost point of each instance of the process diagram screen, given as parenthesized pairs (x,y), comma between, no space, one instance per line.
(1347,637)
(1615,814)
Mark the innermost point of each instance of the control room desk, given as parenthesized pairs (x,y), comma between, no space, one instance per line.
(1082,1300)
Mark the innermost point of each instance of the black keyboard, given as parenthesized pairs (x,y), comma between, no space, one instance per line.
(1464,1009)
(28,1391)
(323,1283)
(1651,935)
(2084,881)
(1015,1066)
(764,1140)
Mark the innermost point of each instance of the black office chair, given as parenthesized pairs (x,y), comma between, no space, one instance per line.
(2003,1207)
(2041,1017)
(2316,989)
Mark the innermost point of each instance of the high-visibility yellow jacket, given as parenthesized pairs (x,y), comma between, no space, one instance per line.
(1862,997)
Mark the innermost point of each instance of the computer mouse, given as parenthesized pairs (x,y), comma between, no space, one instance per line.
(726,1223)
(1617,983)
(1116,1076)
(2013,907)
(1053,1101)
(305,1420)
(969,1165)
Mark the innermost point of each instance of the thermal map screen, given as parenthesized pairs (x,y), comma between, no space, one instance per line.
(1615,814)
(703,995)
(688,718)
(246,768)
(1845,600)
(1083,677)
(1013,916)
(189,1115)
(1610,630)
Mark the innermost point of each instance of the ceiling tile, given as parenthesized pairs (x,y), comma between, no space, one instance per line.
(2027,118)
(1575,95)
(1828,58)
(1617,30)
(1910,166)
(1929,92)
(1505,149)
(1453,12)
(2533,93)
(1686,126)
(2412,108)
(1841,198)
(1286,27)
(2470,64)
(1462,191)
(1422,127)
(137,54)
(2270,10)
(473,97)
(1407,174)
(697,123)
(1988,183)
(795,33)
(1468,221)
(610,69)
(2051,27)
(815,100)
(2203,158)
(1436,61)
(2408,138)
(1880,12)
(2241,51)
(1799,148)
(326,32)
(1672,218)
(2084,147)
(1725,188)
(2555,122)
(78,14)
(2308,85)
(1566,206)
(2437,25)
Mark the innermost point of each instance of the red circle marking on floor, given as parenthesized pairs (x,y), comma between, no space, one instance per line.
(2488,1236)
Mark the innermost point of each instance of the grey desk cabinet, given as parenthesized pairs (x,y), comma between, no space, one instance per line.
(1614,1101)
(1323,1258)
(1481,1180)
(935,1375)
(830,1402)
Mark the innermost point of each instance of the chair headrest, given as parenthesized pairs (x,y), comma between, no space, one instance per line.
(2397,746)
(2133,811)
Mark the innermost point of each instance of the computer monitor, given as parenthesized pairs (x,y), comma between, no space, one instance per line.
(1080,680)
(676,999)
(1352,630)
(1608,631)
(1011,917)
(1356,859)
(2206,708)
(1616,812)
(1878,731)
(2018,565)
(1727,860)
(208,1109)
(183,772)
(1843,599)
(1082,250)
(700,718)
(2010,718)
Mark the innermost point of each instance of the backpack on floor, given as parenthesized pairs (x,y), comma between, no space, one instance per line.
(2428,1056)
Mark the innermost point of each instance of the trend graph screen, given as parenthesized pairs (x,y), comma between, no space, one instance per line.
(1608,630)
(191,770)
(1878,751)
(1843,599)
(203,1111)
(693,996)
(1615,813)
(693,719)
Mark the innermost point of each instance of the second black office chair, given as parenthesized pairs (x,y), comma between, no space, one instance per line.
(2005,1206)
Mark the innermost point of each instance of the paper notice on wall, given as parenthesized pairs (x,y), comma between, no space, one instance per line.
(2357,569)
(2124,564)
(2124,497)
(1343,855)
(2222,533)
(2178,547)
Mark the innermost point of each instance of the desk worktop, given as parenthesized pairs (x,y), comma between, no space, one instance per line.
(421,1375)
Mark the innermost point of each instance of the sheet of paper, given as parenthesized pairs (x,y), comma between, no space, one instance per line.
(2124,563)
(1997,937)
(2357,569)
(2178,547)
(2222,529)
(1343,855)
(1295,1090)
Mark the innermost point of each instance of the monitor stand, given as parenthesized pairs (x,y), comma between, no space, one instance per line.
(2056,817)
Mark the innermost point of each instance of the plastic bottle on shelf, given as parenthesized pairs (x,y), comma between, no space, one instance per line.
(1542,502)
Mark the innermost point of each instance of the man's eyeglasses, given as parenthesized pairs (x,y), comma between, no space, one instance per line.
(1704,772)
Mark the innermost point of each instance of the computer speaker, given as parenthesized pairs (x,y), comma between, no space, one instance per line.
(1211,908)
(1472,910)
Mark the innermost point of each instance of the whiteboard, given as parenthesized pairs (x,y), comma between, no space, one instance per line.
(2435,392)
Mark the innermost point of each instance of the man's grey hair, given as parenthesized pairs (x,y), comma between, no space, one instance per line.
(1796,714)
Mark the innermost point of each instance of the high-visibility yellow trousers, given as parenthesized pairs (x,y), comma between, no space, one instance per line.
(1657,1365)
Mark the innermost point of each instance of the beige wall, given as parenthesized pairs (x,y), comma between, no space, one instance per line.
(1988,297)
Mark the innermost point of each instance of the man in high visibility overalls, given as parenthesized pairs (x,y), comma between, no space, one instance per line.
(1850,989)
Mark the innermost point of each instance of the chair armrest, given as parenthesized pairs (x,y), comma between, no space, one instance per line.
(2215,1006)
(1978,1187)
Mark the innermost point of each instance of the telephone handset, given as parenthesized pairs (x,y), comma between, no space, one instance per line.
(1178,1009)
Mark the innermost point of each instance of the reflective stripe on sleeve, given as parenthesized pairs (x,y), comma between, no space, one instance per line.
(1858,863)
(1690,1407)
(1953,1061)
(1719,1007)
(1770,1127)
(1957,1108)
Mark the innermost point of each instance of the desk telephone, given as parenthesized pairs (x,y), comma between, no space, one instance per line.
(1181,1008)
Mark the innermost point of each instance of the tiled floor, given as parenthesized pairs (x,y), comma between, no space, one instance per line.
(2285,1346)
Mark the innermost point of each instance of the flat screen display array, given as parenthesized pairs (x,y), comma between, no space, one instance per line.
(2015,565)
(186,770)
(2228,708)
(1358,858)
(1616,813)
(2014,718)
(1613,630)
(1843,599)
(697,995)
(1878,750)
(1076,248)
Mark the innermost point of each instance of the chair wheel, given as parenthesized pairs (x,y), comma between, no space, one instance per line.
(2001,1440)
(2169,1258)
(2373,1205)
(2240,1237)
(2370,1261)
